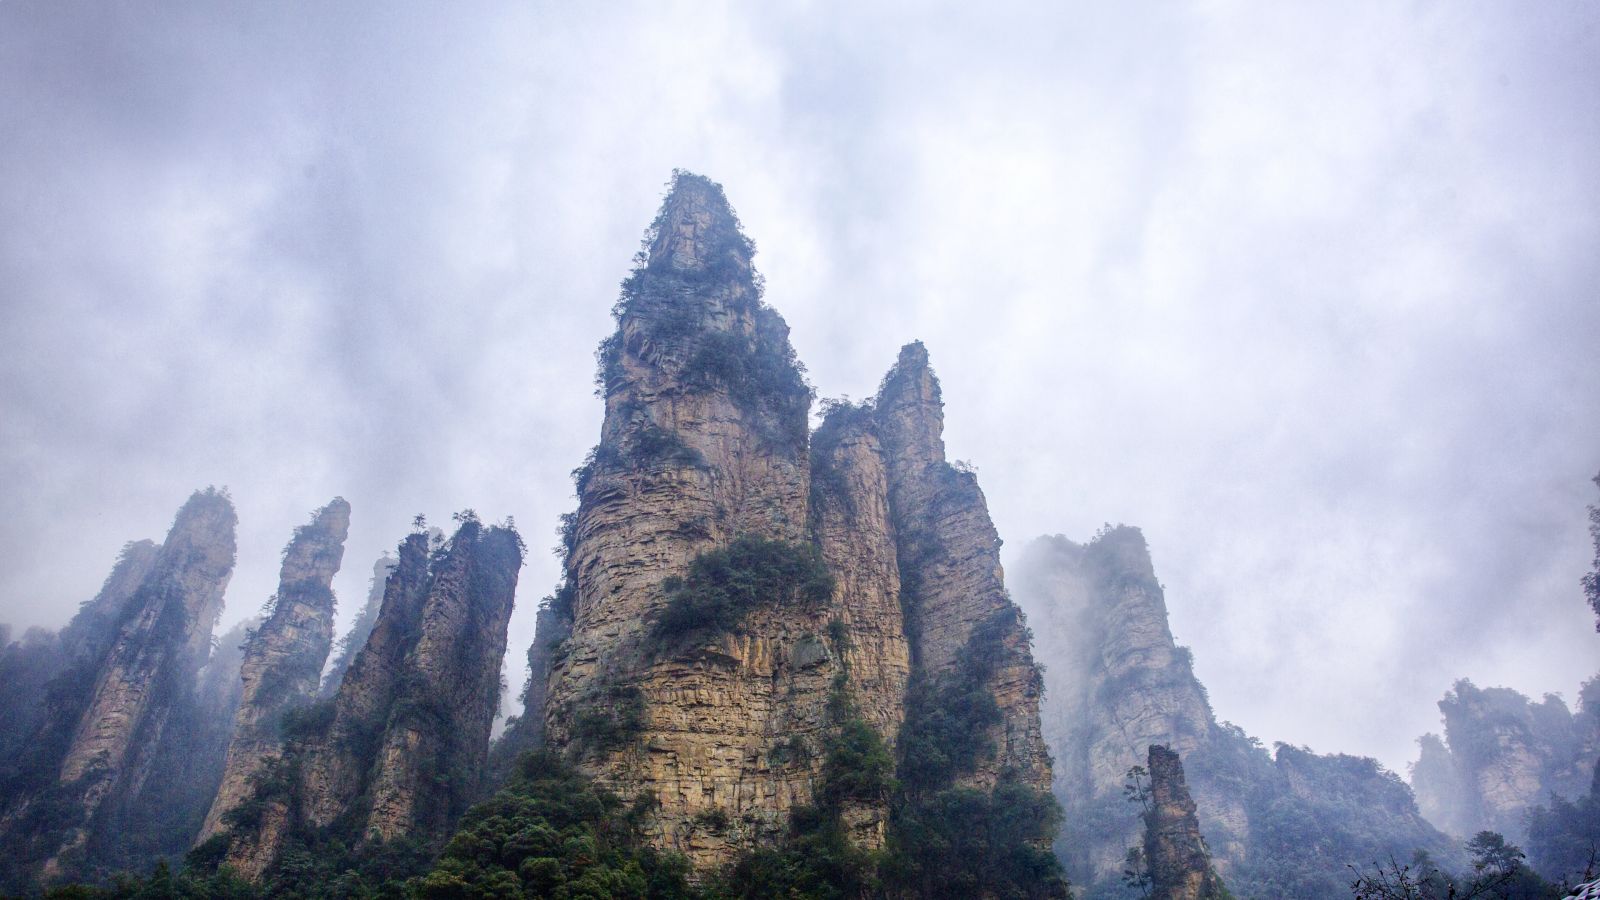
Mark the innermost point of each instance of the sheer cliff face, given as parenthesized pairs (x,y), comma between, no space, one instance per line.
(1180,868)
(134,656)
(1117,684)
(283,660)
(704,441)
(1503,754)
(401,747)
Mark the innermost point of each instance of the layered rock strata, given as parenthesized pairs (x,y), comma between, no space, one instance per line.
(1179,866)
(705,444)
(401,748)
(283,659)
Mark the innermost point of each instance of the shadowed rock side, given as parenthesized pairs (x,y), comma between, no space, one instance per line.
(400,749)
(46,677)
(161,821)
(1180,868)
(1502,755)
(283,660)
(1283,825)
(146,670)
(704,448)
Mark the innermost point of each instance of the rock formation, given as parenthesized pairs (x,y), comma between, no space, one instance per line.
(704,451)
(1503,754)
(1179,866)
(45,677)
(1118,683)
(133,657)
(283,660)
(401,747)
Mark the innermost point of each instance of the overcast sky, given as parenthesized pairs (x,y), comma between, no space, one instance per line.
(1308,293)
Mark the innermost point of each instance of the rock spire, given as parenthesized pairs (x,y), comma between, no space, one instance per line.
(283,658)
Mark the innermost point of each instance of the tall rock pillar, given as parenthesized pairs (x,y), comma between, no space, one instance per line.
(283,658)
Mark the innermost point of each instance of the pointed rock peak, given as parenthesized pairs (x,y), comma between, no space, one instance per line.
(336,515)
(696,230)
(317,549)
(912,356)
(911,379)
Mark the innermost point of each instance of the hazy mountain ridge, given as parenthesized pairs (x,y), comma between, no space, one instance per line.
(1286,824)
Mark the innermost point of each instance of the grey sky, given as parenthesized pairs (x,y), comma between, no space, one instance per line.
(1307,292)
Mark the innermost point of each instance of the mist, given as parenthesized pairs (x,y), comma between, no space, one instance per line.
(1306,293)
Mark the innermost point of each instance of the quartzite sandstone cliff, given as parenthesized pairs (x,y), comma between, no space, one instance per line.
(1179,866)
(705,442)
(400,749)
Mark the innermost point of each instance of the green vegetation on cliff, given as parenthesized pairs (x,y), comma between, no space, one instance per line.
(724,584)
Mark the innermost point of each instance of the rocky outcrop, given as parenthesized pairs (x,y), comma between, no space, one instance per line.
(854,528)
(1179,866)
(401,748)
(704,440)
(115,706)
(283,659)
(704,446)
(1440,790)
(952,584)
(1503,754)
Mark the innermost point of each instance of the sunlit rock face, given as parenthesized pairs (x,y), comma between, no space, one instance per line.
(1179,866)
(401,748)
(1503,754)
(705,441)
(131,659)
(282,663)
